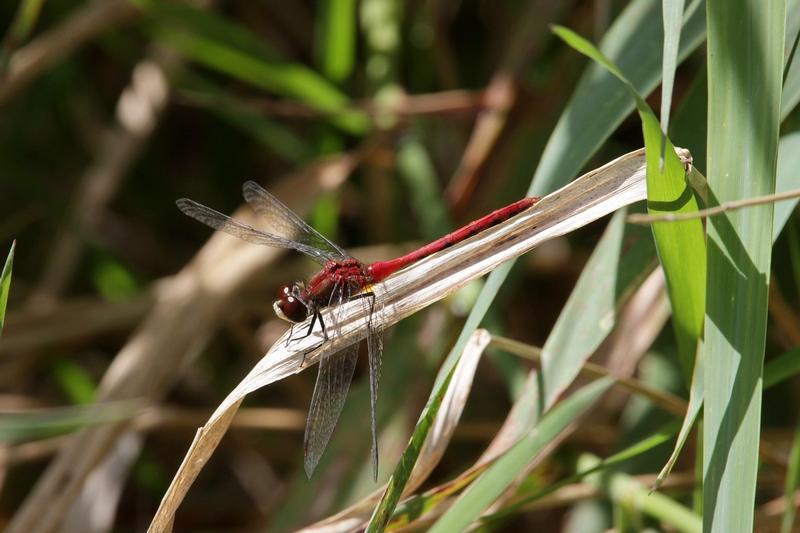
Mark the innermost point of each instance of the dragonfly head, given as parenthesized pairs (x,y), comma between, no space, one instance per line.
(290,305)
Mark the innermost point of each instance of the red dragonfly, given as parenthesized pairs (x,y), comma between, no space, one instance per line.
(343,278)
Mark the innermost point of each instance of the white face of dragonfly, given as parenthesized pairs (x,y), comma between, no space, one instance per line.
(290,305)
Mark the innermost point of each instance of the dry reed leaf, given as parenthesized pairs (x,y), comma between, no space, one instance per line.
(588,198)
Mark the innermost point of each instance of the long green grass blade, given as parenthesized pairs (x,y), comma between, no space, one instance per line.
(696,392)
(787,179)
(745,64)
(673,20)
(784,366)
(5,284)
(587,318)
(791,84)
(487,488)
(383,513)
(681,246)
(633,43)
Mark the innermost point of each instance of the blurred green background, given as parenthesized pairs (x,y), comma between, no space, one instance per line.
(385,123)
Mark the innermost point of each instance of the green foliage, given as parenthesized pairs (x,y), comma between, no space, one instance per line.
(745,65)
(5,285)
(231,49)
(680,245)
(491,484)
(364,116)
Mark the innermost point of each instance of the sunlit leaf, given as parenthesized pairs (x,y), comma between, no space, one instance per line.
(5,284)
(745,64)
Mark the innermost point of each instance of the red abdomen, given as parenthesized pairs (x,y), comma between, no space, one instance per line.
(382,269)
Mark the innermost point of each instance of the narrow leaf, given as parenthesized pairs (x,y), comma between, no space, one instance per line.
(634,43)
(487,488)
(792,482)
(745,63)
(589,314)
(336,39)
(681,246)
(673,20)
(5,284)
(626,490)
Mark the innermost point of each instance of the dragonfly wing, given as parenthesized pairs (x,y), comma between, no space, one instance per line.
(375,350)
(330,391)
(226,224)
(286,222)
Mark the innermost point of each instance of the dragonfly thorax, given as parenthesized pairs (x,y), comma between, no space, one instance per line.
(291,305)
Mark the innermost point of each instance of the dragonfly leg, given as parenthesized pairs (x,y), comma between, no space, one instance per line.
(371,296)
(322,324)
(290,338)
(313,321)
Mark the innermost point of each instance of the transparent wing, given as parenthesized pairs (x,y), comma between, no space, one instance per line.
(330,391)
(224,223)
(375,351)
(285,222)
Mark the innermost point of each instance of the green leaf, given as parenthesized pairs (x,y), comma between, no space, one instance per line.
(788,163)
(673,20)
(497,478)
(227,47)
(634,450)
(791,86)
(588,317)
(5,284)
(681,245)
(42,423)
(77,383)
(336,39)
(745,62)
(383,512)
(113,280)
(20,29)
(626,490)
(634,43)
(789,363)
(695,403)
(273,135)
(792,482)
(599,104)
(416,169)
(782,368)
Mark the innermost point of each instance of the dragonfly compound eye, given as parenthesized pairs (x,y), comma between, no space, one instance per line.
(288,306)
